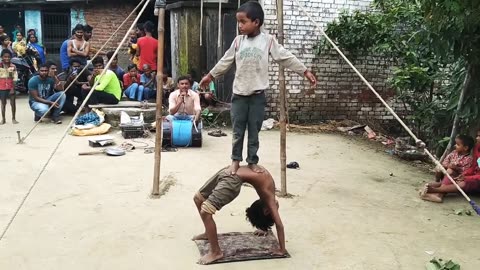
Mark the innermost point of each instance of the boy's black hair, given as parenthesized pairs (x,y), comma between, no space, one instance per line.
(131,66)
(254,11)
(182,78)
(110,54)
(148,26)
(73,31)
(43,66)
(30,30)
(467,141)
(50,63)
(74,60)
(3,38)
(78,27)
(87,28)
(98,60)
(257,218)
(6,51)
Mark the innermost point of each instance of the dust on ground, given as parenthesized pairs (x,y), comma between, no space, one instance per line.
(94,212)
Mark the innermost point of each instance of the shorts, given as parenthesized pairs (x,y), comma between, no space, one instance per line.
(220,190)
(4,93)
(470,186)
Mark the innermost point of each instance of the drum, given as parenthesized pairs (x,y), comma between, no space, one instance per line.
(181,133)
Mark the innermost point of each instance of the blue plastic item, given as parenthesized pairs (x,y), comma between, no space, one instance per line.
(181,133)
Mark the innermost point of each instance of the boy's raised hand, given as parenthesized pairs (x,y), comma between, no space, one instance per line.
(205,81)
(311,78)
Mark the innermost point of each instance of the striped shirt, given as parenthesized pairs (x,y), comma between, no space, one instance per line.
(8,77)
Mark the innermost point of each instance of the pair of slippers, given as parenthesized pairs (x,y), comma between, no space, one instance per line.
(217,133)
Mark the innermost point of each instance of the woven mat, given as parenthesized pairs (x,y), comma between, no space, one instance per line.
(238,247)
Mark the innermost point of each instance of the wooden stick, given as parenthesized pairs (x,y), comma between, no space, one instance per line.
(283,113)
(159,131)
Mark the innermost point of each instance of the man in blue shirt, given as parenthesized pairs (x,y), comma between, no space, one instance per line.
(41,89)
(64,59)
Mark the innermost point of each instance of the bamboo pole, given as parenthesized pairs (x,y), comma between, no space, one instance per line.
(283,111)
(160,8)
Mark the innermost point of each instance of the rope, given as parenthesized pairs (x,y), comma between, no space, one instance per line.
(81,72)
(410,132)
(201,22)
(238,6)
(70,124)
(219,38)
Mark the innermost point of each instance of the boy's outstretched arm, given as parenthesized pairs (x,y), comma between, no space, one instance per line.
(285,58)
(273,207)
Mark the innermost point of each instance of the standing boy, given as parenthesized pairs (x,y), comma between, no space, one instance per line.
(8,77)
(249,51)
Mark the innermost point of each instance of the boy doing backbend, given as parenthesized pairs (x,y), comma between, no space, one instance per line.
(221,189)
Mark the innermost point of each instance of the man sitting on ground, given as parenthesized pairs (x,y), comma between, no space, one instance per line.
(184,104)
(42,95)
(222,189)
(108,90)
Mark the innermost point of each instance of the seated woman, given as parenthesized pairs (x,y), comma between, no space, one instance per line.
(149,82)
(40,50)
(132,84)
(469,180)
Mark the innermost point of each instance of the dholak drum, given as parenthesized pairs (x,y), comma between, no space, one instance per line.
(181,133)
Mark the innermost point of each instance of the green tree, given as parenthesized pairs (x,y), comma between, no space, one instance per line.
(455,28)
(413,34)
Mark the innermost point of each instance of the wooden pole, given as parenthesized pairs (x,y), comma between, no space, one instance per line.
(283,111)
(160,7)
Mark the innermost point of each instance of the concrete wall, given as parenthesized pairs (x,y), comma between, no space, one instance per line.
(33,20)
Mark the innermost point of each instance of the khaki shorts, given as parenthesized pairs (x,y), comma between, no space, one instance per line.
(220,190)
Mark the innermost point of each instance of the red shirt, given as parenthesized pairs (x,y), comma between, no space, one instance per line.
(127,80)
(148,52)
(473,173)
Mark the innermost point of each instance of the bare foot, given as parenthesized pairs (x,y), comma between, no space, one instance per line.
(14,121)
(256,168)
(3,122)
(201,236)
(423,191)
(210,257)
(234,167)
(432,198)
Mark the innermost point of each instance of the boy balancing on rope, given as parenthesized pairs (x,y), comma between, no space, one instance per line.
(221,189)
(249,51)
(468,180)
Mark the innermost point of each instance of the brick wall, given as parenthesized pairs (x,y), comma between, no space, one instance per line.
(340,93)
(105,19)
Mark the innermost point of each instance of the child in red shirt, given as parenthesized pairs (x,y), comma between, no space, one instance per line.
(469,180)
(8,77)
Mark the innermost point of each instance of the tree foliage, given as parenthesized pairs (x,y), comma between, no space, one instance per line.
(431,43)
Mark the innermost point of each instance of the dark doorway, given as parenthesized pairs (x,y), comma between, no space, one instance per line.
(11,17)
(55,27)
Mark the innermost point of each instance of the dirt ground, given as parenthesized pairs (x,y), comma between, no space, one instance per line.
(94,212)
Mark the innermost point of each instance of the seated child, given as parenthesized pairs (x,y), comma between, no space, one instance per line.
(468,180)
(459,159)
